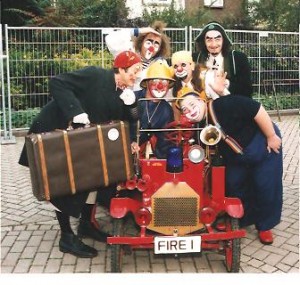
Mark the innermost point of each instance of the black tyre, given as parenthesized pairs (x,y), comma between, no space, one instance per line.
(117,251)
(122,227)
(232,247)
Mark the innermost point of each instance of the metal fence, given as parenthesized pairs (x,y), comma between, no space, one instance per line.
(30,56)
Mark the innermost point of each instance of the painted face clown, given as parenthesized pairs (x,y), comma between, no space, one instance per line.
(183,65)
(155,112)
(191,105)
(158,79)
(150,46)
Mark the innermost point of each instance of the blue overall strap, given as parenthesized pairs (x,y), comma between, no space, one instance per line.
(233,144)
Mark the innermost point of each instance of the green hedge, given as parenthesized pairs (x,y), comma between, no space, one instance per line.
(23,118)
(31,70)
(284,101)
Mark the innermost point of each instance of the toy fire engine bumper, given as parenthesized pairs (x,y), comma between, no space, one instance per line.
(207,241)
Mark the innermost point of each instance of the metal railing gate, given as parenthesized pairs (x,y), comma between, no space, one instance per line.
(30,56)
(5,119)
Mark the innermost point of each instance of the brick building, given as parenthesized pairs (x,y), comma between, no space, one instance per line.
(218,9)
(215,9)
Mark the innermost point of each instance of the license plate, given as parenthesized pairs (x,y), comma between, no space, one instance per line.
(165,245)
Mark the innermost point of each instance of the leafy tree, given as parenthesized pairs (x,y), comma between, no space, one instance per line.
(19,12)
(278,15)
(88,13)
(178,18)
(171,16)
(105,13)
(65,13)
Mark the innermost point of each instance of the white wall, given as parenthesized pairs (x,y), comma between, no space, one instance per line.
(136,6)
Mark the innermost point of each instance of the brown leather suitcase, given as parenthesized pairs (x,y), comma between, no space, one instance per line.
(67,162)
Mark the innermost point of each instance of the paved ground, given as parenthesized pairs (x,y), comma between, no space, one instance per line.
(30,233)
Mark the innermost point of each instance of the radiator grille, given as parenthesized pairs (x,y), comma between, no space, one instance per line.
(178,211)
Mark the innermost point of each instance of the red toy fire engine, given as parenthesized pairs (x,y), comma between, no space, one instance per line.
(178,204)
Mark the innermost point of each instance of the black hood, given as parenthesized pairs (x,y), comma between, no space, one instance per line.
(213,26)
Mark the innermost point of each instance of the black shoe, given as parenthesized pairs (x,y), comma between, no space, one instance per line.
(87,229)
(70,243)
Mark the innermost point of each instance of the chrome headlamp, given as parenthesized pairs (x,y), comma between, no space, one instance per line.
(196,154)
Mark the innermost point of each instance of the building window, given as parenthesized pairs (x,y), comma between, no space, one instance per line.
(214,3)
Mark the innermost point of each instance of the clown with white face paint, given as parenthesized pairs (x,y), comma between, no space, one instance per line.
(191,105)
(187,74)
(149,42)
(183,66)
(151,46)
(192,108)
(158,88)
(154,112)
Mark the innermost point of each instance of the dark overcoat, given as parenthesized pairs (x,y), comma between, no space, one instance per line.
(90,90)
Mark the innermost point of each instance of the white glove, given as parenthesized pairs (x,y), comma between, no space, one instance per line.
(118,41)
(82,118)
(209,80)
(128,96)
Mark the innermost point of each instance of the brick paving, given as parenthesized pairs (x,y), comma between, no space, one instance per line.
(30,232)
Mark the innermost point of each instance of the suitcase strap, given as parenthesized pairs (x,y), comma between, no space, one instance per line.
(125,150)
(43,167)
(104,159)
(69,162)
(102,152)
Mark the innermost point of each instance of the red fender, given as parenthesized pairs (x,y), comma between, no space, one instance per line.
(119,207)
(234,207)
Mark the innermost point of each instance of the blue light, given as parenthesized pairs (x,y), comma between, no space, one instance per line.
(175,160)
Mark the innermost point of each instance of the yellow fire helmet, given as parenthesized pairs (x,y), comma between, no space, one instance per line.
(184,91)
(159,69)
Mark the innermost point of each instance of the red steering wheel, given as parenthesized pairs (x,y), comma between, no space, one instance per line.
(180,134)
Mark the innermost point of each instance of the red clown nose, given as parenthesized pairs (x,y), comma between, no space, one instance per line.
(160,85)
(179,68)
(151,49)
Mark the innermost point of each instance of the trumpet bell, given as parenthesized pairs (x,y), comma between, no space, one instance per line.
(210,135)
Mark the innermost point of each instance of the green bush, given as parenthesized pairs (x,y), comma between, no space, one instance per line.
(23,118)
(32,70)
(284,101)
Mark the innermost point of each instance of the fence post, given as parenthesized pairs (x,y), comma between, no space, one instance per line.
(6,135)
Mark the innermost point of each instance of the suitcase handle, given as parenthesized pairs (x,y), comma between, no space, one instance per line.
(72,126)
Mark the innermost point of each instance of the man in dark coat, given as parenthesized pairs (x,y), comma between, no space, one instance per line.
(88,95)
(214,51)
(258,169)
(256,175)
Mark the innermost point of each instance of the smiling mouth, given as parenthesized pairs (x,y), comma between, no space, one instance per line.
(148,54)
(181,74)
(194,115)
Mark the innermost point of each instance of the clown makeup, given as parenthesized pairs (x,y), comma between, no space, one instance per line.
(151,46)
(158,88)
(214,42)
(193,108)
(183,70)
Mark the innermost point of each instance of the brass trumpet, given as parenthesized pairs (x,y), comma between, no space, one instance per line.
(210,135)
